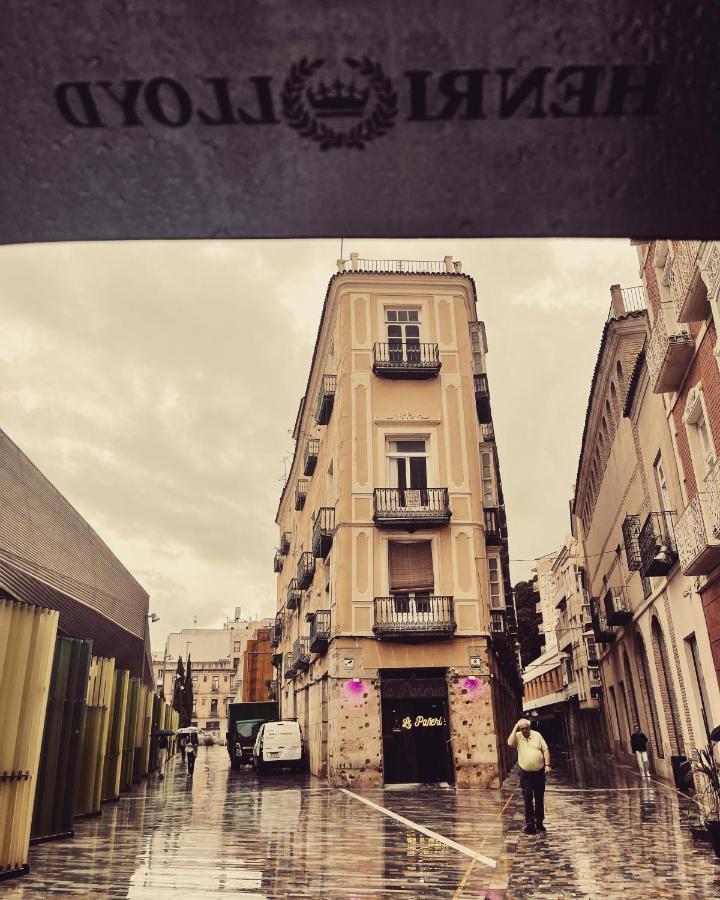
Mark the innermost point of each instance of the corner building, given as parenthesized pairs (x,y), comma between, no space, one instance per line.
(394,641)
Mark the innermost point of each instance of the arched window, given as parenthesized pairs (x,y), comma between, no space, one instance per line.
(647,693)
(667,690)
(634,711)
(609,414)
(614,399)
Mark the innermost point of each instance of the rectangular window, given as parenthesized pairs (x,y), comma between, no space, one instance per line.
(236,662)
(236,646)
(497,600)
(662,485)
(194,682)
(487,474)
(407,462)
(698,681)
(213,707)
(216,683)
(410,567)
(403,334)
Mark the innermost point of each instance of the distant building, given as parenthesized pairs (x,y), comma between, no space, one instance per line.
(258,675)
(216,656)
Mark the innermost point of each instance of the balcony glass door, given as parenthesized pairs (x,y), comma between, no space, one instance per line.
(403,334)
(408,471)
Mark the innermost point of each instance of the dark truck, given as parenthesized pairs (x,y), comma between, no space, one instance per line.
(244,721)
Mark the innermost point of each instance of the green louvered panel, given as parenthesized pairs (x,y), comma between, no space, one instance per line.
(116,734)
(128,750)
(61,749)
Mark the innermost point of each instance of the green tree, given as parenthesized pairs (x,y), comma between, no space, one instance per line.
(187,707)
(178,686)
(528,619)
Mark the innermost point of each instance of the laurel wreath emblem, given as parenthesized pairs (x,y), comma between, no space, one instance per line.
(299,117)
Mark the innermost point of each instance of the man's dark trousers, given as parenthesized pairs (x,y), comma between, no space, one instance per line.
(533,789)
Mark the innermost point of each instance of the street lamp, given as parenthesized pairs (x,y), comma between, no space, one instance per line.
(153,617)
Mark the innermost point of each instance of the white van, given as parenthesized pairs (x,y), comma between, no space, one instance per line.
(278,744)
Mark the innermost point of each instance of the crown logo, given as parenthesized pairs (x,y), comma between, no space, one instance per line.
(338,100)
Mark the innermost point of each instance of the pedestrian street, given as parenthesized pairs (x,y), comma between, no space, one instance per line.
(234,834)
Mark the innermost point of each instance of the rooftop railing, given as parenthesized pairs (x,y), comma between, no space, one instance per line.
(400,266)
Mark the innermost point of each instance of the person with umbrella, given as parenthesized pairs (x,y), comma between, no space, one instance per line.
(191,749)
(163,745)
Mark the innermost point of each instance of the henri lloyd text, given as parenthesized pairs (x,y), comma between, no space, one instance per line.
(359,103)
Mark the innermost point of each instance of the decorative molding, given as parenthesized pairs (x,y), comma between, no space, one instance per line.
(693,398)
(406,417)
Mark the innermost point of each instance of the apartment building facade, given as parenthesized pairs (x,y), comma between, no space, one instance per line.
(648,622)
(393,637)
(562,688)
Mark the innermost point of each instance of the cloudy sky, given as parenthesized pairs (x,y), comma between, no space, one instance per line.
(156,385)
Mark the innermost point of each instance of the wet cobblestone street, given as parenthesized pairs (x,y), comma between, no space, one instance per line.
(224,832)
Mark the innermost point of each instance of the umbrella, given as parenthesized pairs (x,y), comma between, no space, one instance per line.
(190,729)
(161,732)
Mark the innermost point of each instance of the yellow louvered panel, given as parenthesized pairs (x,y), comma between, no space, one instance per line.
(27,644)
(116,733)
(94,748)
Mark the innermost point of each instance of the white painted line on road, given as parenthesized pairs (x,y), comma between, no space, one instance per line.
(433,834)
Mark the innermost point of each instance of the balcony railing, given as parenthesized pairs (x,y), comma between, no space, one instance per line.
(414,617)
(631,539)
(285,543)
(697,543)
(323,530)
(305,570)
(300,493)
(301,654)
(658,551)
(406,359)
(320,631)
(293,594)
(493,526)
(617,608)
(326,399)
(276,659)
(669,352)
(272,689)
(424,507)
(275,635)
(312,448)
(482,398)
(593,659)
(398,266)
(277,562)
(487,432)
(290,671)
(687,288)
(602,630)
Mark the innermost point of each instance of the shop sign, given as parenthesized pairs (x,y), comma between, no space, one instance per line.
(423,722)
(416,689)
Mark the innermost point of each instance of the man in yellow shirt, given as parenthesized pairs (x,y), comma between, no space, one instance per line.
(534,763)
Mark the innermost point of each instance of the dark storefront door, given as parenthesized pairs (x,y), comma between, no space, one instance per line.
(416,732)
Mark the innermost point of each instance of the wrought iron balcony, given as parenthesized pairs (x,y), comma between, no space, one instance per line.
(406,359)
(301,654)
(277,562)
(285,543)
(323,529)
(320,631)
(482,399)
(631,539)
(617,607)
(593,659)
(498,625)
(603,632)
(687,288)
(276,659)
(312,448)
(293,594)
(658,551)
(289,669)
(300,493)
(487,432)
(275,635)
(697,541)
(305,570)
(272,689)
(423,508)
(326,399)
(495,529)
(669,352)
(416,617)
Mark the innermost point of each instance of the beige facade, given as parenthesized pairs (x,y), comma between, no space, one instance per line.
(393,592)
(656,661)
(562,687)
